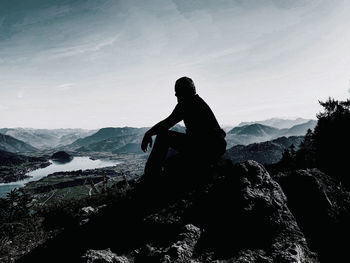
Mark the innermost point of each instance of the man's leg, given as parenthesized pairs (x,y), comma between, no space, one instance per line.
(163,141)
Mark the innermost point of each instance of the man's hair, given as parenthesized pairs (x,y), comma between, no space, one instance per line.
(185,86)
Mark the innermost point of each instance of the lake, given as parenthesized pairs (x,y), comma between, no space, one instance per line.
(78,163)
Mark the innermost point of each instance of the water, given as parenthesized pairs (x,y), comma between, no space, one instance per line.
(78,163)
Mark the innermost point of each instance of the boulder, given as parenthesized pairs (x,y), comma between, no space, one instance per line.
(321,206)
(179,251)
(103,256)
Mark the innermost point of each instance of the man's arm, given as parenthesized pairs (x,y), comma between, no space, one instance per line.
(163,125)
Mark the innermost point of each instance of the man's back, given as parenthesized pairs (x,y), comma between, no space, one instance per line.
(197,116)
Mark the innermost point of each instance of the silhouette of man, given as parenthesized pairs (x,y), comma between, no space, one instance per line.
(204,139)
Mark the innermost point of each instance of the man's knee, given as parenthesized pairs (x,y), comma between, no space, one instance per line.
(162,136)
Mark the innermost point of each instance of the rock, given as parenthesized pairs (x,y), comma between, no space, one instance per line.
(322,209)
(193,213)
(244,216)
(180,251)
(88,210)
(103,256)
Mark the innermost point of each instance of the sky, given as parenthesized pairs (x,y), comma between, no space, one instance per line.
(101,63)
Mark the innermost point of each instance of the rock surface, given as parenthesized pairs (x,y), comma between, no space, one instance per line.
(321,206)
(103,256)
(217,213)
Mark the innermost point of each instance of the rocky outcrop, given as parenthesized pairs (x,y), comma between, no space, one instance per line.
(180,251)
(103,256)
(243,216)
(216,213)
(321,206)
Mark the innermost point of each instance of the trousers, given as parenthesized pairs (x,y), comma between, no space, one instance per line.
(205,147)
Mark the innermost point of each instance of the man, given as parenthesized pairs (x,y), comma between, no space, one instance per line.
(204,139)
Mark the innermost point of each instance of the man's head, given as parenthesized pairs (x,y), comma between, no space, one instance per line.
(184,88)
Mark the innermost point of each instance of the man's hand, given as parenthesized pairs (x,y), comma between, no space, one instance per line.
(146,141)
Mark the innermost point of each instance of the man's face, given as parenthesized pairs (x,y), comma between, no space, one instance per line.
(179,96)
(183,93)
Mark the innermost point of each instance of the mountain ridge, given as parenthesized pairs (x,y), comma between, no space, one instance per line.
(11,144)
(46,138)
(255,133)
(267,152)
(279,123)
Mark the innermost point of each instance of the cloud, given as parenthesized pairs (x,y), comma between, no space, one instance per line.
(65,86)
(80,49)
(20,94)
(3,107)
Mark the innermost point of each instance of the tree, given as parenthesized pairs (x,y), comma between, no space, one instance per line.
(305,156)
(331,139)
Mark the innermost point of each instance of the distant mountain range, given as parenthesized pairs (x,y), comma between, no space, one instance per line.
(46,138)
(10,144)
(115,140)
(109,139)
(278,122)
(254,133)
(128,139)
(264,152)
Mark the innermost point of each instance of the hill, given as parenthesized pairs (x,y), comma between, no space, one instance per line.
(13,167)
(265,152)
(10,144)
(9,159)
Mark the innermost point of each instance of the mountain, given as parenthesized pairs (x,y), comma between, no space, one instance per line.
(277,122)
(10,144)
(179,128)
(129,148)
(257,130)
(264,152)
(110,144)
(108,133)
(46,138)
(110,139)
(115,140)
(250,134)
(255,133)
(299,129)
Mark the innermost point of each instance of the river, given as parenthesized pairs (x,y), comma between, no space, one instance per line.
(78,163)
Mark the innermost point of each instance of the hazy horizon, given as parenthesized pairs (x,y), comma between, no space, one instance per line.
(180,123)
(94,64)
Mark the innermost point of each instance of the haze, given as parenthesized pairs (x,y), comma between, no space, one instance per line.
(92,64)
